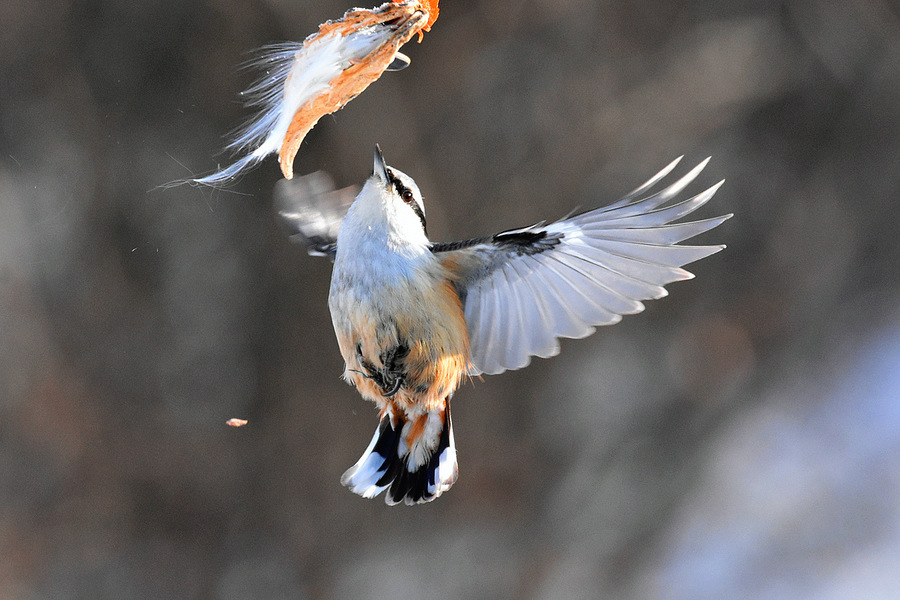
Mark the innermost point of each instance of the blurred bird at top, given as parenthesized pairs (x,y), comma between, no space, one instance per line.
(305,81)
(415,318)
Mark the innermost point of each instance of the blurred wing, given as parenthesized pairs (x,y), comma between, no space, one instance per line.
(312,211)
(524,289)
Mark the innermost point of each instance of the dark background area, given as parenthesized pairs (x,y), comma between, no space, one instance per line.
(738,439)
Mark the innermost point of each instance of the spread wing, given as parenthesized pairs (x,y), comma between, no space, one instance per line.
(312,210)
(524,289)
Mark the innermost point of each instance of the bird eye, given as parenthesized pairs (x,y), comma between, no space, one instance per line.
(407,195)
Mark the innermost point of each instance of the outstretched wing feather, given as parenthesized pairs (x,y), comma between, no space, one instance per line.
(526,288)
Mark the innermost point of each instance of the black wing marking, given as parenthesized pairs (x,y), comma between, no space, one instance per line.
(530,240)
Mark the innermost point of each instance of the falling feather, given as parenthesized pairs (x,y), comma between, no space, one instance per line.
(306,81)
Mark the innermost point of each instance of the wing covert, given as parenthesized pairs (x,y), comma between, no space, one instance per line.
(524,289)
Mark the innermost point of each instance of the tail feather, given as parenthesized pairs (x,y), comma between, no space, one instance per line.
(387,464)
(363,477)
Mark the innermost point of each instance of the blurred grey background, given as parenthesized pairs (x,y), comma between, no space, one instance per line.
(738,439)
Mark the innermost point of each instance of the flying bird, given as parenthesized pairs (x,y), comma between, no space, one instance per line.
(415,318)
(305,81)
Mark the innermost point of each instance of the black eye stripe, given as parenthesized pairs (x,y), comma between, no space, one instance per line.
(403,191)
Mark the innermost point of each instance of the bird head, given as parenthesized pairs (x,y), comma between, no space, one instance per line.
(394,197)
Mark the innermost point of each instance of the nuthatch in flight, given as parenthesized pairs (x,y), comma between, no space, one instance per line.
(415,318)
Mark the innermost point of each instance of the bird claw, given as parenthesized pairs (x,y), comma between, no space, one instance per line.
(398,383)
(389,379)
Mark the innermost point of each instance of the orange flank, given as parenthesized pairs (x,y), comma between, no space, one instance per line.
(416,429)
(236,422)
(433,368)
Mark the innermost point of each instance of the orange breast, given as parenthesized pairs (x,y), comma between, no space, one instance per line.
(432,326)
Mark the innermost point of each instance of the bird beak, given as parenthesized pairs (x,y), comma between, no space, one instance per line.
(380,169)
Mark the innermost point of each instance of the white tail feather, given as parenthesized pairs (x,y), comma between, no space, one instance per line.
(411,477)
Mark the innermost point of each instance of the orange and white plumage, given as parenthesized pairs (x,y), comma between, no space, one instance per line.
(305,81)
(401,331)
(415,318)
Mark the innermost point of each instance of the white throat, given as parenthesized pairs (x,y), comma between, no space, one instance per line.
(378,216)
(381,243)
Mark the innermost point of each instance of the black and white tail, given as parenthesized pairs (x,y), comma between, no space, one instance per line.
(413,459)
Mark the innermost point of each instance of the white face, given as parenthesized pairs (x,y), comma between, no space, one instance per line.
(389,209)
(405,189)
(396,199)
